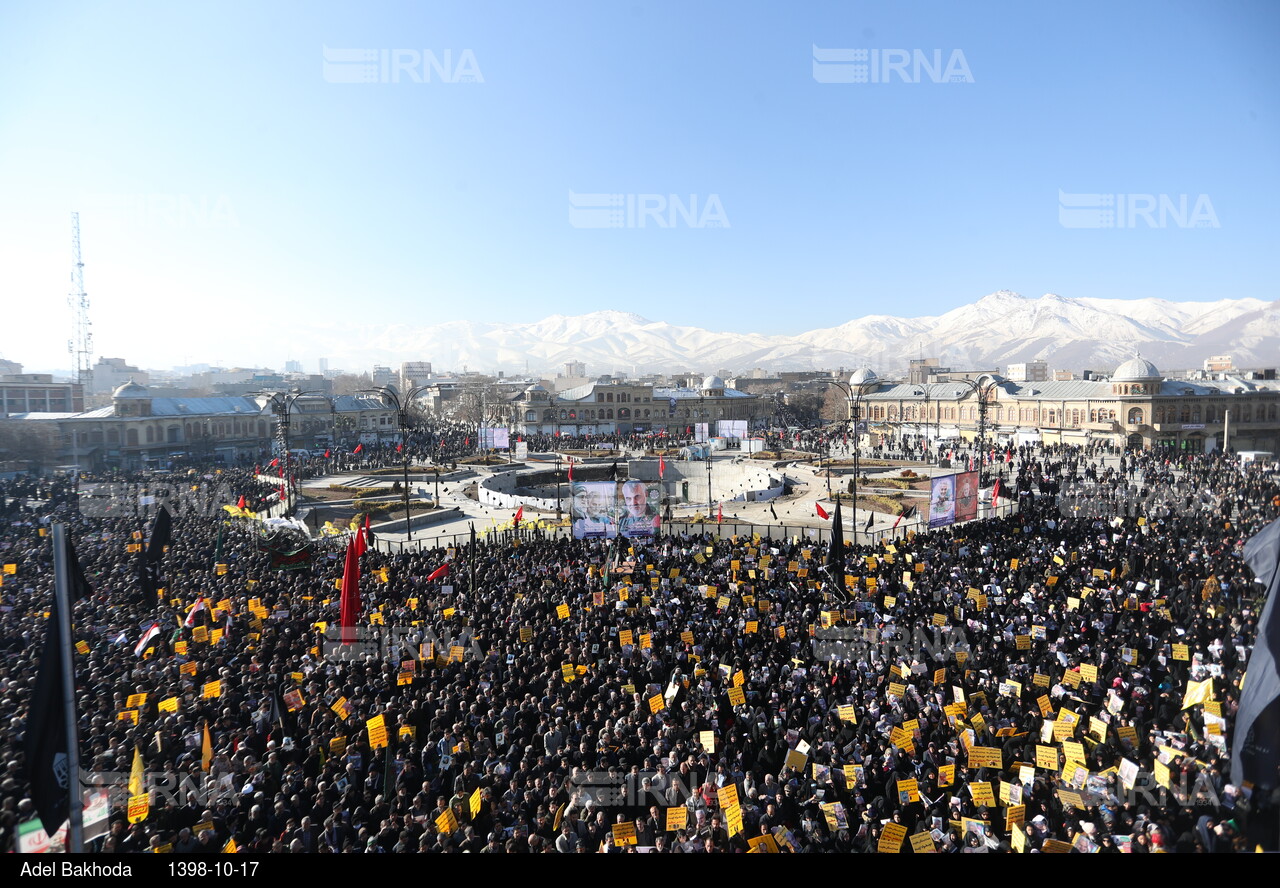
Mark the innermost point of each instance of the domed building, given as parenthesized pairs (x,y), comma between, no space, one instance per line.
(863,376)
(131,399)
(1136,376)
(1137,408)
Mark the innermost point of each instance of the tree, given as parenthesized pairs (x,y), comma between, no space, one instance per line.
(351,383)
(34,443)
(805,407)
(835,404)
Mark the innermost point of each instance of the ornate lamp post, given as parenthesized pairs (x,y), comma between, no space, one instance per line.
(391,397)
(282,403)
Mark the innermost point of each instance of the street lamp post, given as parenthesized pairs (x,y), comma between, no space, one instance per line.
(401,406)
(282,403)
(924,390)
(559,512)
(984,387)
(859,384)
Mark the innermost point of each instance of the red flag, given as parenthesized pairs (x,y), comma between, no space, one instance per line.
(557,433)
(995,492)
(350,609)
(361,539)
(519,515)
(359,447)
(273,463)
(326,454)
(441,571)
(1008,456)
(822,513)
(662,468)
(720,513)
(570,465)
(399,447)
(242,503)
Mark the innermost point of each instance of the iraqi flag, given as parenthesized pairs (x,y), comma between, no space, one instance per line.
(195,609)
(440,572)
(152,631)
(822,513)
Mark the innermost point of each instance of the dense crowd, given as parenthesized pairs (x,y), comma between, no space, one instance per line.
(686,696)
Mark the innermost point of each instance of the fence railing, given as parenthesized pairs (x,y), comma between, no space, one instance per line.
(722,530)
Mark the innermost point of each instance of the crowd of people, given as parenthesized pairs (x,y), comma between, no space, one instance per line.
(1010,684)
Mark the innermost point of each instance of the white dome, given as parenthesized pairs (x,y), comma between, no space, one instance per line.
(712,382)
(1136,367)
(863,376)
(130,390)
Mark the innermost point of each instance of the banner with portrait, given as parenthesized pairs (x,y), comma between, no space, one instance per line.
(966,496)
(606,509)
(942,501)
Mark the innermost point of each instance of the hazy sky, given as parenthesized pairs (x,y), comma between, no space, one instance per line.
(235,188)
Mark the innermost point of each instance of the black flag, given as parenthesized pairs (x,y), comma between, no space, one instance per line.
(149,561)
(870,517)
(46,735)
(1255,749)
(835,555)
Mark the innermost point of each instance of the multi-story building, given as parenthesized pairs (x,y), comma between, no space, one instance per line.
(38,393)
(139,429)
(1136,408)
(111,373)
(1028,371)
(599,408)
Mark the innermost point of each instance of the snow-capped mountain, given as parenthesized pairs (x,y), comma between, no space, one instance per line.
(996,330)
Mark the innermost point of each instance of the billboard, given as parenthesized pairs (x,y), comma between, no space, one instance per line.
(606,509)
(492,438)
(966,496)
(942,501)
(731,428)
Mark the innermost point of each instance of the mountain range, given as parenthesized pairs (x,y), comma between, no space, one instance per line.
(996,330)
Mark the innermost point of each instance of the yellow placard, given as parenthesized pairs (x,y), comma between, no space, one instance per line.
(891,838)
(213,689)
(624,833)
(986,757)
(446,821)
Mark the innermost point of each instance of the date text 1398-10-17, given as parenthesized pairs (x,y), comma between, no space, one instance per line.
(200,868)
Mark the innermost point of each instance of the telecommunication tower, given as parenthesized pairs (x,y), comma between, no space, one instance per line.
(81,344)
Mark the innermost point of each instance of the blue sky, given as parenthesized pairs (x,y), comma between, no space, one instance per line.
(225,182)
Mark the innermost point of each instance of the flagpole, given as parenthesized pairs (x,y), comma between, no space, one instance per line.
(62,591)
